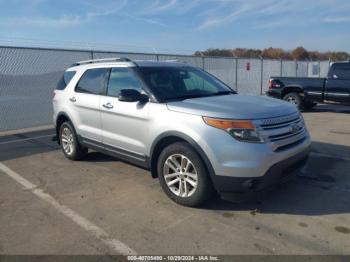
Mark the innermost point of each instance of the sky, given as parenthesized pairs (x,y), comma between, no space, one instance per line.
(177,26)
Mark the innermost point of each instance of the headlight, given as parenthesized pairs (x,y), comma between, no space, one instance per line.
(242,130)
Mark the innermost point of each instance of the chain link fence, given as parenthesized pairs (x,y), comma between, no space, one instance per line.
(28,77)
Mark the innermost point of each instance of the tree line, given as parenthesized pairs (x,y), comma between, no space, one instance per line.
(299,53)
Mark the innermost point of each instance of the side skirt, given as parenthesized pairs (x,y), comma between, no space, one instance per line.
(121,154)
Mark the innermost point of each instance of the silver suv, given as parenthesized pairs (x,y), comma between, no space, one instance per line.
(187,127)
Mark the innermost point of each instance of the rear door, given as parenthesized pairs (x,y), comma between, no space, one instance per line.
(86,101)
(338,83)
(124,124)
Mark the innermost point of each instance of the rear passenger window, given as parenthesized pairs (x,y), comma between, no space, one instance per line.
(122,78)
(65,79)
(93,81)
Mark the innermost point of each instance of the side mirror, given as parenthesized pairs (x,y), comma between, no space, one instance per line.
(132,95)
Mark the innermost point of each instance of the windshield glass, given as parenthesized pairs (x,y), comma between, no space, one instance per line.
(178,83)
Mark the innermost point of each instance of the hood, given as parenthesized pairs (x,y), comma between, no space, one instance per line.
(234,107)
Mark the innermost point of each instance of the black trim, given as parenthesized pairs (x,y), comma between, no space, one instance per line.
(122,154)
(105,89)
(60,114)
(237,188)
(136,71)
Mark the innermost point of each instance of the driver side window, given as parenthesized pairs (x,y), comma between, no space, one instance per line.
(122,78)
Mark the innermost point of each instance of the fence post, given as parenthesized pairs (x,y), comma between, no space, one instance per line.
(92,54)
(203,62)
(319,69)
(281,69)
(261,75)
(296,68)
(157,57)
(236,74)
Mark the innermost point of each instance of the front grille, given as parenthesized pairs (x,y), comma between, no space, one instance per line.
(283,132)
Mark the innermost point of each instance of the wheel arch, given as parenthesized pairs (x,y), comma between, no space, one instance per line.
(61,118)
(292,89)
(168,138)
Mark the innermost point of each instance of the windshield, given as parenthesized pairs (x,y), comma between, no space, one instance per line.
(178,83)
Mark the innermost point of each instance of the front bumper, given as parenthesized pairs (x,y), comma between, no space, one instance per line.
(238,188)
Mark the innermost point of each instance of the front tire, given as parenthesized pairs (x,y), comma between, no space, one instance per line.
(293,98)
(69,142)
(183,176)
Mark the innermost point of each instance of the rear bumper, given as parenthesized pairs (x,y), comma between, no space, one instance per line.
(274,93)
(234,188)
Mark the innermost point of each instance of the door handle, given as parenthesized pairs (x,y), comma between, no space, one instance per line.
(72,99)
(108,106)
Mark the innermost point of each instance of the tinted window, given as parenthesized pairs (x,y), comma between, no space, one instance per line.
(93,81)
(171,83)
(342,71)
(193,81)
(65,79)
(122,78)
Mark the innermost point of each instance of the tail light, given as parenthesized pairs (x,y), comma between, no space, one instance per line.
(273,84)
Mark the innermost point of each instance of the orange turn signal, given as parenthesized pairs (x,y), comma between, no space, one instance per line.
(229,124)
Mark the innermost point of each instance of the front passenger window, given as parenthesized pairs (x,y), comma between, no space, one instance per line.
(122,78)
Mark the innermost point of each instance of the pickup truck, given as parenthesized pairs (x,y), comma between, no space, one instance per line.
(306,92)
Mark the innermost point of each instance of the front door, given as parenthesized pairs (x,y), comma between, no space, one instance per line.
(338,83)
(124,124)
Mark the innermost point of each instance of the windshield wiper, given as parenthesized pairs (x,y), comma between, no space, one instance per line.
(188,96)
(221,93)
(184,97)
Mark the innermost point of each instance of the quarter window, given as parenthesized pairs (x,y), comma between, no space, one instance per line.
(65,79)
(122,78)
(93,81)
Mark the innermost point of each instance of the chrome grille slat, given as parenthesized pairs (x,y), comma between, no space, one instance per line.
(281,125)
(282,131)
(289,140)
(279,120)
(288,135)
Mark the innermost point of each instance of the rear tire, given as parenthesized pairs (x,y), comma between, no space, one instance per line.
(183,176)
(309,105)
(69,142)
(293,98)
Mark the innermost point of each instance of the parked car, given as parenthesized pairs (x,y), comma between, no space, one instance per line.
(187,127)
(305,92)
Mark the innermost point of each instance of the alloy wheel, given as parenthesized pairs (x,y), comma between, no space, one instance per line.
(67,141)
(180,175)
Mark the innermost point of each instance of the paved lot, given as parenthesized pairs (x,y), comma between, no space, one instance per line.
(50,205)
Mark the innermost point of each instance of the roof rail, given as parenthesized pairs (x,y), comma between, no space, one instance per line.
(93,61)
